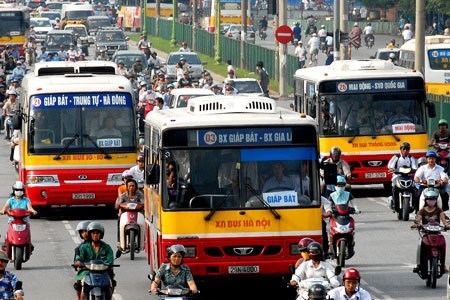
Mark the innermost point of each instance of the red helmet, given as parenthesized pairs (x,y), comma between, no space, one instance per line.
(183,44)
(351,273)
(304,243)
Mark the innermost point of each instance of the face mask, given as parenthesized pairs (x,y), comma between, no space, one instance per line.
(18,193)
(340,189)
(431,202)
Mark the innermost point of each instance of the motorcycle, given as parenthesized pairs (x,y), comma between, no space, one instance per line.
(342,232)
(401,203)
(131,229)
(18,244)
(262,34)
(433,185)
(323,44)
(370,40)
(173,292)
(432,253)
(304,285)
(98,283)
(443,151)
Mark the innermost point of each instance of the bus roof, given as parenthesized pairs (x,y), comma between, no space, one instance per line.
(232,111)
(355,69)
(79,67)
(431,41)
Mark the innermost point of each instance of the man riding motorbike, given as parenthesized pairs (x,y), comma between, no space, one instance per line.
(297,33)
(350,288)
(440,135)
(369,34)
(9,286)
(342,166)
(82,231)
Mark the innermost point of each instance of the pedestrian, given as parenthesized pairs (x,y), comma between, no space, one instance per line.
(263,77)
(301,53)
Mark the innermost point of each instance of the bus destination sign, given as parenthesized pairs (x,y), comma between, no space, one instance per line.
(244,136)
(375,86)
(72,100)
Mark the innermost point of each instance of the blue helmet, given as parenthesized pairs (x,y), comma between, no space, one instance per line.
(430,154)
(341,180)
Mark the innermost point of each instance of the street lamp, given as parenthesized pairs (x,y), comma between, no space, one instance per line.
(173,41)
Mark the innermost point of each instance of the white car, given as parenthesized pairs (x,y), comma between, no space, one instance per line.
(41,27)
(234,32)
(179,97)
(248,87)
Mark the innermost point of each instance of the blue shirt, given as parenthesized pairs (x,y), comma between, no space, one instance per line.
(18,203)
(7,285)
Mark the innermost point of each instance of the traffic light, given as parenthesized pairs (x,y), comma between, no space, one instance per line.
(272,7)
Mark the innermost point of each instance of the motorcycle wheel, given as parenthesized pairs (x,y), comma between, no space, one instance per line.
(434,272)
(405,209)
(18,258)
(132,244)
(342,249)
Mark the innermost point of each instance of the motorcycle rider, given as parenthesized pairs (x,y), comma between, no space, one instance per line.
(184,47)
(440,135)
(18,200)
(137,172)
(317,291)
(342,166)
(82,231)
(94,249)
(368,31)
(350,289)
(144,45)
(9,107)
(263,26)
(404,159)
(303,248)
(432,171)
(322,34)
(301,53)
(312,28)
(313,45)
(316,267)
(8,280)
(174,272)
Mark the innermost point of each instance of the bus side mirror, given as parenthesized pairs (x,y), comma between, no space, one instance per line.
(152,174)
(431,109)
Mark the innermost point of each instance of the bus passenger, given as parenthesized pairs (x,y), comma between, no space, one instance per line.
(138,171)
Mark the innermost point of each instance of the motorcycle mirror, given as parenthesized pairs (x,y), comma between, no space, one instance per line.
(337,270)
(118,253)
(292,268)
(18,285)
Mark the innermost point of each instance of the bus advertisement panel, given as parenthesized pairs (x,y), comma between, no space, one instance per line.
(436,64)
(367,111)
(15,26)
(216,190)
(78,136)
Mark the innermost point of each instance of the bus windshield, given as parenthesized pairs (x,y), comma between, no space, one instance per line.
(79,14)
(13,24)
(439,59)
(231,178)
(365,114)
(57,127)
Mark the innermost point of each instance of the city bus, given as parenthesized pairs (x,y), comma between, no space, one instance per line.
(67,157)
(15,26)
(367,108)
(209,186)
(436,64)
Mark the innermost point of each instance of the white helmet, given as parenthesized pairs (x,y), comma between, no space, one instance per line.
(18,185)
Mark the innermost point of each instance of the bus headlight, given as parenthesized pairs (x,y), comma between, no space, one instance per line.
(191,252)
(43,180)
(294,249)
(114,179)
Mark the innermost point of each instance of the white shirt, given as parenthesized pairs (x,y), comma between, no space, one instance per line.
(396,162)
(301,53)
(137,174)
(407,34)
(324,270)
(426,172)
(339,294)
(314,42)
(322,32)
(368,30)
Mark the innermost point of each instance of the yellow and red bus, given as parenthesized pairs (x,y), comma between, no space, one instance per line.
(68,154)
(367,108)
(15,26)
(221,205)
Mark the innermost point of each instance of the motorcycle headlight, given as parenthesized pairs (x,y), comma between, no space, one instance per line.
(19,227)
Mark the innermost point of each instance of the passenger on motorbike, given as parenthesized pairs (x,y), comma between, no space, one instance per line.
(342,166)
(9,108)
(121,69)
(18,200)
(350,289)
(8,281)
(18,72)
(369,33)
(131,195)
(303,248)
(313,45)
(174,272)
(317,292)
(440,135)
(404,159)
(82,231)
(95,249)
(126,175)
(184,47)
(432,171)
(137,172)
(316,267)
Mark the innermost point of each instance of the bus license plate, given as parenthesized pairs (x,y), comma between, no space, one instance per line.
(83,196)
(376,175)
(243,269)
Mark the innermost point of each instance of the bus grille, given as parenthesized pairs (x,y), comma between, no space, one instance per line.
(243,250)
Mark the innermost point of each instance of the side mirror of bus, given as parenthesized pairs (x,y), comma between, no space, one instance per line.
(431,109)
(152,174)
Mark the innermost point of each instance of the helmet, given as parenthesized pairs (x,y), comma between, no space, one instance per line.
(304,243)
(317,291)
(351,273)
(406,27)
(356,24)
(120,62)
(430,154)
(183,44)
(178,248)
(140,158)
(137,59)
(443,122)
(335,151)
(4,256)
(314,34)
(126,173)
(341,180)
(431,194)
(405,145)
(18,186)
(96,226)
(392,55)
(315,250)
(83,225)
(323,26)
(393,41)
(421,160)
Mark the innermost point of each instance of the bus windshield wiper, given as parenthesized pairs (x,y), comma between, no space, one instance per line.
(213,211)
(72,140)
(101,150)
(258,196)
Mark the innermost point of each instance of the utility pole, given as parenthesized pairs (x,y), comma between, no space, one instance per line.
(158,13)
(336,31)
(283,87)
(243,32)
(194,24)
(344,40)
(173,40)
(419,59)
(218,53)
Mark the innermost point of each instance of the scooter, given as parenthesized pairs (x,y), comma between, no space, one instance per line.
(304,285)
(342,232)
(18,244)
(262,34)
(432,253)
(370,40)
(323,44)
(404,189)
(98,284)
(443,151)
(131,229)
